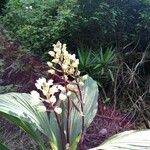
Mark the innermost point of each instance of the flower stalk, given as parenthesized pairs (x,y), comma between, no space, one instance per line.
(64,67)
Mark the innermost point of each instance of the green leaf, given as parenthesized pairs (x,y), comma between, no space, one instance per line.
(3,147)
(26,127)
(19,109)
(111,75)
(89,105)
(128,140)
(75,143)
(56,143)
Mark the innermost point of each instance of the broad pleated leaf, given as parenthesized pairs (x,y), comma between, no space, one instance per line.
(128,140)
(26,116)
(56,145)
(28,128)
(90,97)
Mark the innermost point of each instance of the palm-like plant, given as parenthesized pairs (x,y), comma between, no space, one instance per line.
(105,64)
(87,60)
(98,64)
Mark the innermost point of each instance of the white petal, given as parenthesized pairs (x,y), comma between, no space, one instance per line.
(38,86)
(50,82)
(53,99)
(63,89)
(53,89)
(51,71)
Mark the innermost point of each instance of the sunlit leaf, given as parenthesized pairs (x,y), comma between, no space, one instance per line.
(128,140)
(19,109)
(27,127)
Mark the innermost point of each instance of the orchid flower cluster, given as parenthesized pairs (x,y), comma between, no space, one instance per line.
(65,67)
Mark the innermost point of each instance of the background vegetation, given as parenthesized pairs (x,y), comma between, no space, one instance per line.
(79,23)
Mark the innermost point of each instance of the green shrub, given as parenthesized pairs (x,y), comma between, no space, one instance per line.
(37,23)
(78,22)
(2,6)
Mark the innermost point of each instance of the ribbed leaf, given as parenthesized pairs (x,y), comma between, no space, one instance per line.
(56,145)
(27,117)
(128,140)
(90,97)
(29,129)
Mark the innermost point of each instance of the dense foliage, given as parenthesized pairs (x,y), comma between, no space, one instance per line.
(79,23)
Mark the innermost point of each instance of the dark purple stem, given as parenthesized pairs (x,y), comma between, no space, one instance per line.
(68,121)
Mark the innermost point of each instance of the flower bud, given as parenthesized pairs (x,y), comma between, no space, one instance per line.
(51,71)
(65,76)
(78,73)
(57,50)
(55,61)
(62,96)
(49,64)
(84,77)
(52,99)
(58,110)
(68,93)
(64,66)
(71,71)
(75,65)
(71,87)
(51,53)
(73,57)
(40,83)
